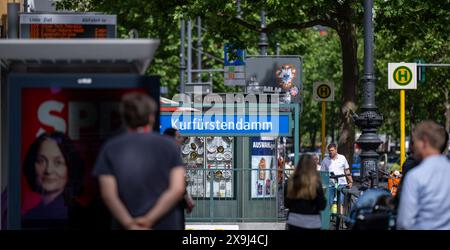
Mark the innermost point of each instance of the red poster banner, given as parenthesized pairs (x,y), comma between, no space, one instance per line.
(76,122)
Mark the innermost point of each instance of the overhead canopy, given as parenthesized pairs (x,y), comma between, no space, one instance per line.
(137,52)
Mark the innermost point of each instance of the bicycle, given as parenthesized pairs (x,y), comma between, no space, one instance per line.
(370,209)
(337,219)
(340,219)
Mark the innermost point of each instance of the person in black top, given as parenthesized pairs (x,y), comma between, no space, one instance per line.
(187,202)
(304,196)
(411,162)
(141,173)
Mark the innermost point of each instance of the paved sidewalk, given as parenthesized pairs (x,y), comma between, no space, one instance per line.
(236,226)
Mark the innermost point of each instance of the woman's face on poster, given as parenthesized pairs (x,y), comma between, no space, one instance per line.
(51,168)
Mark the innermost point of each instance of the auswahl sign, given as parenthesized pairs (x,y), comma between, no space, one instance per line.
(239,125)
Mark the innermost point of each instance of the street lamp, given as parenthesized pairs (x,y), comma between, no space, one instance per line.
(263,40)
(369,119)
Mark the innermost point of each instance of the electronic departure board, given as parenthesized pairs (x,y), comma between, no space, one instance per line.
(66,26)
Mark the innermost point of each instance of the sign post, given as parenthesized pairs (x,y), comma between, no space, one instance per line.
(324,92)
(402,127)
(402,76)
(324,109)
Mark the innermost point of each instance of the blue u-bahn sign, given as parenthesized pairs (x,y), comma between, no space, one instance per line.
(229,125)
(233,56)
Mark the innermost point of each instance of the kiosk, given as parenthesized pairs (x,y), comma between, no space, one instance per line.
(233,158)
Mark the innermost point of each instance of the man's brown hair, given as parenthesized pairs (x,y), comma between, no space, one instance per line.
(136,109)
(433,132)
(332,145)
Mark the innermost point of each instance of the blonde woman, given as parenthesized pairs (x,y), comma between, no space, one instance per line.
(304,196)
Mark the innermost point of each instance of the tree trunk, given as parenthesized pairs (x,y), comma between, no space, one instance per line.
(349,48)
(386,146)
(313,139)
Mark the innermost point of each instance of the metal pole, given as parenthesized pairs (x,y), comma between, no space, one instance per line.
(324,109)
(189,52)
(13,20)
(369,119)
(263,40)
(296,133)
(278,49)
(434,64)
(182,59)
(199,49)
(25,5)
(1,144)
(402,127)
(238,9)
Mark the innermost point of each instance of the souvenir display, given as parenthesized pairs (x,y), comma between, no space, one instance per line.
(218,175)
(186,149)
(193,155)
(211,157)
(227,156)
(208,176)
(227,174)
(202,154)
(219,157)
(211,148)
(188,177)
(222,160)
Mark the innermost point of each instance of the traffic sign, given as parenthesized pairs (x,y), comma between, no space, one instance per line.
(402,76)
(420,71)
(234,71)
(323,91)
(234,76)
(233,56)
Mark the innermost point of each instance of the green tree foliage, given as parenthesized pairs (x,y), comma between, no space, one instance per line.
(405,30)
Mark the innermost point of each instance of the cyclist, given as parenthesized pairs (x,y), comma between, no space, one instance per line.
(336,164)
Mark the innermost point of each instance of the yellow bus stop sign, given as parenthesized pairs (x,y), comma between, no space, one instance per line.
(402,76)
(323,91)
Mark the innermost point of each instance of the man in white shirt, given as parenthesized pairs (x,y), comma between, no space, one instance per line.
(337,164)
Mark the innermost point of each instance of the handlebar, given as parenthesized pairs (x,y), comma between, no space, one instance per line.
(339,176)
